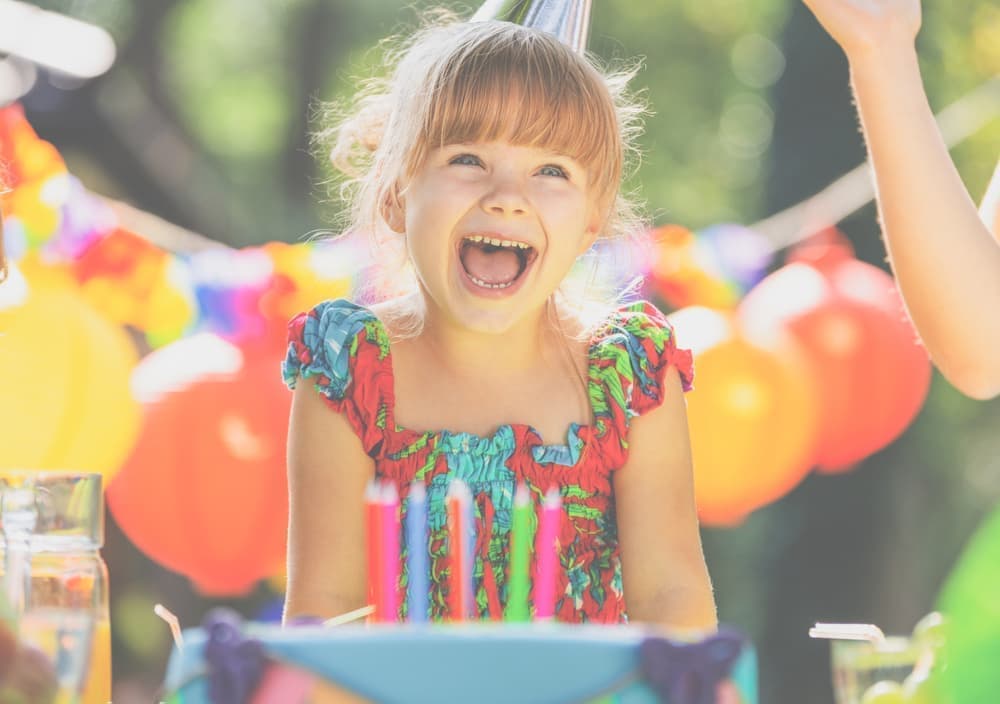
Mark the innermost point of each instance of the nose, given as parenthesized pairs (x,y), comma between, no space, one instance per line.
(505,197)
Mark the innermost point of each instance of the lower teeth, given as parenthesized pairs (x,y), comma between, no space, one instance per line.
(486,284)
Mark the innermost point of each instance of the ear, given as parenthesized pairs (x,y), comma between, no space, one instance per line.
(394,210)
(595,223)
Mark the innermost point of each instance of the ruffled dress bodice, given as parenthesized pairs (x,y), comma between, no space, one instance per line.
(343,350)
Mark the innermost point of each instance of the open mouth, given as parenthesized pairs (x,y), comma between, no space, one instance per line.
(493,263)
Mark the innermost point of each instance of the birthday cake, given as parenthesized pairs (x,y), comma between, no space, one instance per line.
(227,662)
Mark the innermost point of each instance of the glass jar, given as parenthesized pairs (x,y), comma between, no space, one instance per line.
(55,579)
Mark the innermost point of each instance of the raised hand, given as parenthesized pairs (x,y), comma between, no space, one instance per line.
(864,27)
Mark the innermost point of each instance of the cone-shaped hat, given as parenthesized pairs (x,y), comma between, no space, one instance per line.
(569,20)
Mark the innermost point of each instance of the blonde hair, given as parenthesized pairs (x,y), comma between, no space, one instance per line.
(455,82)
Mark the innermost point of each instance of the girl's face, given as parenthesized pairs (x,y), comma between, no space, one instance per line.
(493,228)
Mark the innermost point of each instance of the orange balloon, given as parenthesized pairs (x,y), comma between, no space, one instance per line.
(848,315)
(205,491)
(754,415)
(65,401)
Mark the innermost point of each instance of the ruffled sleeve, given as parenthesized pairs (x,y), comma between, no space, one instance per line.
(640,332)
(344,350)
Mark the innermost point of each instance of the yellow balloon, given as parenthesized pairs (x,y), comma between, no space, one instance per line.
(65,400)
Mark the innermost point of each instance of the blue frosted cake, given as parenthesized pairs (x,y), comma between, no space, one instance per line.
(227,662)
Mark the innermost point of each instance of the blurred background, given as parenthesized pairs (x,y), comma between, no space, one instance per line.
(204,121)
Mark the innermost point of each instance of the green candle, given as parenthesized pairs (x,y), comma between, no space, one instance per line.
(520,557)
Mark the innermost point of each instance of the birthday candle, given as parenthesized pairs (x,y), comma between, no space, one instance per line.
(373,525)
(416,553)
(390,551)
(459,551)
(547,555)
(454,554)
(520,557)
(469,516)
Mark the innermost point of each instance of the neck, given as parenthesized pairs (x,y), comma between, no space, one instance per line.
(475,354)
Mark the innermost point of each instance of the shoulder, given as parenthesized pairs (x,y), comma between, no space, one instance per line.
(637,322)
(330,319)
(639,342)
(324,342)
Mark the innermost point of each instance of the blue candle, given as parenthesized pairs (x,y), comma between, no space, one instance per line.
(418,571)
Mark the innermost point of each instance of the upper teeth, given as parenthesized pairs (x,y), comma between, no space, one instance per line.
(497,243)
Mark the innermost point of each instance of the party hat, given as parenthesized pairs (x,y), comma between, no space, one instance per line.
(569,20)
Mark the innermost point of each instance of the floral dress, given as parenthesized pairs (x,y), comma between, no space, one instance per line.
(343,349)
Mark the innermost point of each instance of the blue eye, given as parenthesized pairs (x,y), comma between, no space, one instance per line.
(553,170)
(466,160)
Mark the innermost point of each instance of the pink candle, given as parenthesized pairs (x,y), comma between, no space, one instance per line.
(373,529)
(547,555)
(390,552)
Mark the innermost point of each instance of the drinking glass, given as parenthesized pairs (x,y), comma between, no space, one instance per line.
(858,664)
(54,577)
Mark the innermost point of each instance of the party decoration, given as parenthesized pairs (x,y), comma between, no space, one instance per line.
(736,253)
(204,492)
(714,267)
(689,672)
(679,276)
(235,662)
(848,315)
(36,175)
(134,282)
(969,600)
(754,415)
(568,20)
(65,400)
(305,274)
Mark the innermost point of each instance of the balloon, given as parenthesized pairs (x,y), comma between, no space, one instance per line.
(65,401)
(754,415)
(848,315)
(204,493)
(969,600)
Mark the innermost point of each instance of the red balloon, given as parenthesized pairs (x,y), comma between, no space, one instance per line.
(873,372)
(205,491)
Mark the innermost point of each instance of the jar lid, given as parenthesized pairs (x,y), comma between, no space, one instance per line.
(53,510)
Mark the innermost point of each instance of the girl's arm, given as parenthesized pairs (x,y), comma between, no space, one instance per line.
(663,568)
(946,262)
(327,473)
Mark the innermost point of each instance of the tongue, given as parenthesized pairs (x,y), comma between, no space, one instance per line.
(498,266)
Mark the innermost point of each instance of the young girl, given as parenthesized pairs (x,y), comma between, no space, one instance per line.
(497,154)
(945,260)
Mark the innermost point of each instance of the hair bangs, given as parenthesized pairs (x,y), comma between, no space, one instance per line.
(530,93)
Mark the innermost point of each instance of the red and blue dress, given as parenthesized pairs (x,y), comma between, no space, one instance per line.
(343,349)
